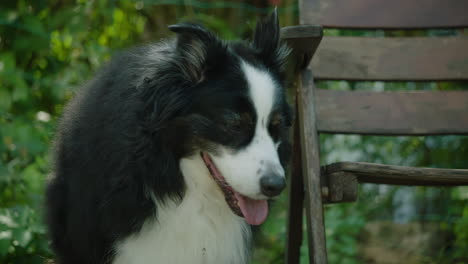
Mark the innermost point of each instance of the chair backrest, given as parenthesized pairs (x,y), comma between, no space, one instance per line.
(390,59)
(371,59)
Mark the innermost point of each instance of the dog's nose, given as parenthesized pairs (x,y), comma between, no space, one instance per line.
(272,185)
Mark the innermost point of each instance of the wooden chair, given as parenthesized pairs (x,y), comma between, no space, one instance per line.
(370,113)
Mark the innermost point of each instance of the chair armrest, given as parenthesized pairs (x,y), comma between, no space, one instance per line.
(399,175)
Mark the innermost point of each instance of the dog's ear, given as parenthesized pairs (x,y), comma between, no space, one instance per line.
(267,42)
(196,48)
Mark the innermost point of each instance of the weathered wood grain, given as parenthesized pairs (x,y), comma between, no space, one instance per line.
(400,175)
(391,59)
(301,32)
(303,40)
(311,169)
(385,14)
(392,113)
(342,187)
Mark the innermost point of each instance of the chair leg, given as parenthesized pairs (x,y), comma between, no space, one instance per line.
(295,205)
(311,170)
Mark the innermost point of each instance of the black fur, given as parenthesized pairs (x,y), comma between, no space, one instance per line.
(122,136)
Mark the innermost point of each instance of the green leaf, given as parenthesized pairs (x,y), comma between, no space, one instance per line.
(5,98)
(23,236)
(20,88)
(34,25)
(7,219)
(7,62)
(5,242)
(34,178)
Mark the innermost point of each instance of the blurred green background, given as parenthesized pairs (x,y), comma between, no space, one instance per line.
(49,47)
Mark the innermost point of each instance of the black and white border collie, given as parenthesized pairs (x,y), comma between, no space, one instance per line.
(172,151)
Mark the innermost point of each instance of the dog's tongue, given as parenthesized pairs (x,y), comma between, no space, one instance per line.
(254,211)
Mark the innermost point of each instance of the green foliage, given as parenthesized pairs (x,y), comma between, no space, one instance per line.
(47,49)
(445,206)
(22,236)
(461,236)
(344,224)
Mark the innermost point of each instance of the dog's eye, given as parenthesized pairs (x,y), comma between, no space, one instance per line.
(247,119)
(236,128)
(276,121)
(235,122)
(239,121)
(275,125)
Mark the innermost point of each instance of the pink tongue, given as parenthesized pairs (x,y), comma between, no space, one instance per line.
(254,211)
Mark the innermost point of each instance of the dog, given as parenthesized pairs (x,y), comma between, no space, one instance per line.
(171,152)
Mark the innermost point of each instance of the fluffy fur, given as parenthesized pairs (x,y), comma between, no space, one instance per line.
(130,185)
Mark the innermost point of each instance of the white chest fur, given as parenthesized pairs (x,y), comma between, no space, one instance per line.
(200,230)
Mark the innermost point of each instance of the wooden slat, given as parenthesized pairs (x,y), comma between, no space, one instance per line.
(393,59)
(301,32)
(385,14)
(295,204)
(400,175)
(392,113)
(311,169)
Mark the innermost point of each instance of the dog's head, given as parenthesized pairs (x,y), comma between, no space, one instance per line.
(238,118)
